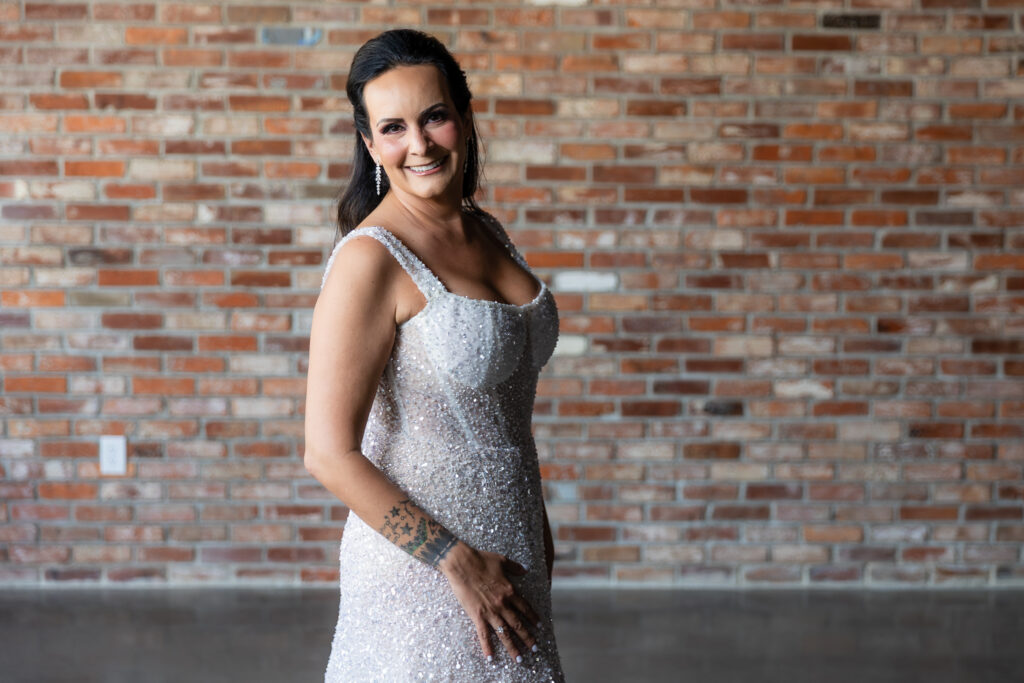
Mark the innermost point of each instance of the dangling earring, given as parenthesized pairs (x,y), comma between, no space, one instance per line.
(378,179)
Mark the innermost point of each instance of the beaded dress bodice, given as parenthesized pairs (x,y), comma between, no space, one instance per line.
(450,425)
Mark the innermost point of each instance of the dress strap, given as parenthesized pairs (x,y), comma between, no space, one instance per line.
(420,274)
(498,231)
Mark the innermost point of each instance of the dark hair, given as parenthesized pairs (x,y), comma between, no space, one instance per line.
(398,47)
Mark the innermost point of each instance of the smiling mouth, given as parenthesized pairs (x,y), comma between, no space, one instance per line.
(426,168)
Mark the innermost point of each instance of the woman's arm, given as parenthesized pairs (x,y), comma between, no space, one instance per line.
(352,334)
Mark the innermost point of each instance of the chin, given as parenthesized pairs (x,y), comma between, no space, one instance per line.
(432,190)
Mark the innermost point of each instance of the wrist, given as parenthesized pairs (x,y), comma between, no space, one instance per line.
(454,559)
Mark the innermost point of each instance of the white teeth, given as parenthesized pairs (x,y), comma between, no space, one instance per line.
(421,169)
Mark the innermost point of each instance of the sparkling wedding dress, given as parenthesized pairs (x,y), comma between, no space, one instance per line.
(450,425)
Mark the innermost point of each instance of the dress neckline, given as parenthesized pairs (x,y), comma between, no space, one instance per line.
(441,286)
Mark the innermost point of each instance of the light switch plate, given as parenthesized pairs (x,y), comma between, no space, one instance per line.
(113,455)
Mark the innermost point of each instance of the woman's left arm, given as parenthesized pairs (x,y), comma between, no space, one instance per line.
(549,543)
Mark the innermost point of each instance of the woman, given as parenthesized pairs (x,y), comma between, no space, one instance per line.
(425,346)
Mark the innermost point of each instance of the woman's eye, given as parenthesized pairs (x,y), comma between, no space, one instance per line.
(437,116)
(388,128)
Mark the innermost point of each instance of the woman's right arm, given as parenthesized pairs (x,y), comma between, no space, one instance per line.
(351,337)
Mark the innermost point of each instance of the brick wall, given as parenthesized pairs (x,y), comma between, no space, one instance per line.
(787,242)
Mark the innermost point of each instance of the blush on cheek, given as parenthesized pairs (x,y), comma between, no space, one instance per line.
(390,153)
(447,134)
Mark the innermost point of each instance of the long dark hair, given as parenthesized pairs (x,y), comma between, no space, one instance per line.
(399,47)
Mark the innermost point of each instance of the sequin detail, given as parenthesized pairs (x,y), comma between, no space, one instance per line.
(450,425)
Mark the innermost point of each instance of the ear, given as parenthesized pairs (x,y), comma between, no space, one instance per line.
(369,145)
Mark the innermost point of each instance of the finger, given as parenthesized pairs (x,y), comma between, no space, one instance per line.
(517,625)
(525,609)
(483,633)
(502,631)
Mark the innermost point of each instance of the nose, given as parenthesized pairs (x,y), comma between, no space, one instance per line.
(419,142)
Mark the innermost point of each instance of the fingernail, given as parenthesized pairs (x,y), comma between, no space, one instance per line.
(534,648)
(519,659)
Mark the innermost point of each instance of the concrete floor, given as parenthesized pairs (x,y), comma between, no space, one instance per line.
(218,635)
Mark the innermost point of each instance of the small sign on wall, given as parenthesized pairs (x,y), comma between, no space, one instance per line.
(113,455)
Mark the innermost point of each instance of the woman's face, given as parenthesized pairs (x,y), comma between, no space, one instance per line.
(417,135)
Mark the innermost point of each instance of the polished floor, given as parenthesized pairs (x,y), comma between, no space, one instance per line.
(218,635)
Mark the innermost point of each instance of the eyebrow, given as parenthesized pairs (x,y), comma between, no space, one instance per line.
(427,110)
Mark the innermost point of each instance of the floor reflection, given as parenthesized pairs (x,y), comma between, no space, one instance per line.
(214,635)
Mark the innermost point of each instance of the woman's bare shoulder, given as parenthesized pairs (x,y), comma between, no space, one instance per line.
(361,261)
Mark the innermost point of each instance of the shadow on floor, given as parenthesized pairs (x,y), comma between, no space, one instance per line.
(231,635)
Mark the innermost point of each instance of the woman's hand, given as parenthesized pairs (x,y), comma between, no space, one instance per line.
(489,598)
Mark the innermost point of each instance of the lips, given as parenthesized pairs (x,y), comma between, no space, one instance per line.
(423,169)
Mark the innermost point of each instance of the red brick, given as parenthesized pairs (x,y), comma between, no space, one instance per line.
(124,101)
(163,387)
(525,107)
(141,11)
(94,168)
(25,32)
(69,491)
(293,169)
(59,101)
(190,14)
(254,59)
(147,35)
(126,56)
(588,152)
(192,57)
(133,321)
(97,212)
(192,192)
(752,41)
(128,277)
(624,174)
(820,42)
(14,298)
(123,191)
(270,147)
(458,17)
(257,14)
(653,195)
(28,167)
(260,279)
(590,63)
(621,41)
(655,108)
(88,123)
(48,11)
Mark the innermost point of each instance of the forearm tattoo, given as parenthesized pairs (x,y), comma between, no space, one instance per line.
(410,529)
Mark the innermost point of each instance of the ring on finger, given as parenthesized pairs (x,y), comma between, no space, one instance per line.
(499,629)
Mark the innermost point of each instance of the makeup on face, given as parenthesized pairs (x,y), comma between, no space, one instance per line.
(417,133)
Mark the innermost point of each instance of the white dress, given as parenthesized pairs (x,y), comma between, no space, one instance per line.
(450,425)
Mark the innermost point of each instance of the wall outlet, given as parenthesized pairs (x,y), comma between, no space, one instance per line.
(113,455)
